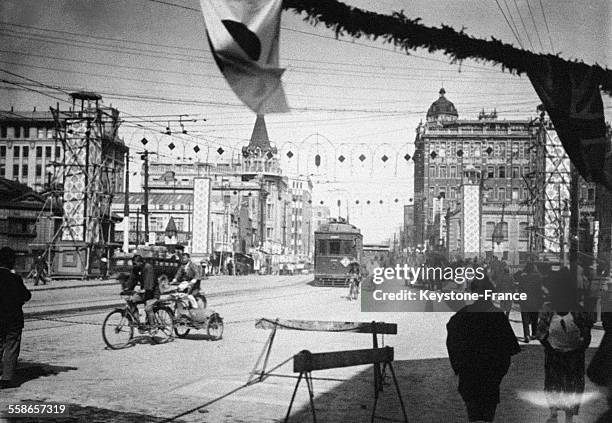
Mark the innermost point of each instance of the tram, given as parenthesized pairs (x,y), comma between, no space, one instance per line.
(337,245)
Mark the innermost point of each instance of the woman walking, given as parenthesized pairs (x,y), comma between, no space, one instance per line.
(565,332)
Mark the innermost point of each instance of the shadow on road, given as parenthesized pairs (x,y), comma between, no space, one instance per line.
(27,370)
(429,392)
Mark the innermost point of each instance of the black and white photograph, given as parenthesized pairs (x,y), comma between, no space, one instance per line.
(282,211)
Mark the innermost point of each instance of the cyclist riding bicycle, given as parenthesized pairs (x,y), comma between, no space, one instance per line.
(354,275)
(188,272)
(143,275)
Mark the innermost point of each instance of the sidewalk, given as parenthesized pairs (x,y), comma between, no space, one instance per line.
(74,296)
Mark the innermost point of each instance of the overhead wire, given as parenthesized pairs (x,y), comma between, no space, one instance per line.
(516,37)
(547,29)
(535,26)
(523,23)
(513,23)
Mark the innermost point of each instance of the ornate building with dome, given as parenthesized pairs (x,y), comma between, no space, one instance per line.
(500,152)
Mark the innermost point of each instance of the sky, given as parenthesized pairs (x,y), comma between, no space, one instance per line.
(150,59)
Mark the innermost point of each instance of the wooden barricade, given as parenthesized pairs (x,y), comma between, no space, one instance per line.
(306,362)
(259,372)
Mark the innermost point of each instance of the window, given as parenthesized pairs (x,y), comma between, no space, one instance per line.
(3,131)
(515,172)
(41,133)
(591,194)
(269,211)
(179,221)
(24,170)
(502,171)
(48,152)
(18,226)
(442,171)
(38,152)
(269,232)
(490,172)
(58,152)
(453,172)
(16,151)
(26,132)
(504,226)
(2,170)
(490,226)
(501,193)
(17,132)
(38,170)
(526,171)
(453,192)
(26,151)
(502,150)
(432,171)
(15,171)
(523,232)
(3,151)
(476,149)
(515,194)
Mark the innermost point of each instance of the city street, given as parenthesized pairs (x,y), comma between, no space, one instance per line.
(64,359)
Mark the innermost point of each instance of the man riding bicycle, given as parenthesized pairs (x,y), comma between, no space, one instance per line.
(143,275)
(188,270)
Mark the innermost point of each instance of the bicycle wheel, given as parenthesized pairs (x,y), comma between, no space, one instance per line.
(214,328)
(181,329)
(164,325)
(117,330)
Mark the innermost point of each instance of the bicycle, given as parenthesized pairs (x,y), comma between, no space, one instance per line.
(353,289)
(119,324)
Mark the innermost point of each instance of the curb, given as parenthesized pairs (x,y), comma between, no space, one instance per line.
(76,286)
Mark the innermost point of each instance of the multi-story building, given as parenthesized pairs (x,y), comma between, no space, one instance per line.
(29,150)
(301,242)
(408,227)
(249,202)
(509,160)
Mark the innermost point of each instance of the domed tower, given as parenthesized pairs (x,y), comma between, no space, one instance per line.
(442,109)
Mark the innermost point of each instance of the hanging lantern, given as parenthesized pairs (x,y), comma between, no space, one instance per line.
(317,160)
(321,202)
(341,158)
(235,192)
(196,149)
(171,146)
(396,200)
(489,150)
(356,201)
(220,151)
(407,157)
(362,158)
(269,155)
(384,158)
(459,153)
(381,201)
(368,202)
(289,154)
(433,155)
(144,141)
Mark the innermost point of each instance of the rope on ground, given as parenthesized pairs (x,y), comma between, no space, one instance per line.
(274,322)
(227,394)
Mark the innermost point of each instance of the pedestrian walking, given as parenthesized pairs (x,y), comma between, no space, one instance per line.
(480,343)
(530,284)
(504,283)
(565,332)
(13,294)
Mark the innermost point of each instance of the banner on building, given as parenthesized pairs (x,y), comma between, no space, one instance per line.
(244,38)
(201,217)
(471,220)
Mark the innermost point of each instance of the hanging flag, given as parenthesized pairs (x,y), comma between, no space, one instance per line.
(570,93)
(243,38)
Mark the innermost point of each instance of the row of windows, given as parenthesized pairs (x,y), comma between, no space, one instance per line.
(490,228)
(24,132)
(497,149)
(38,171)
(514,172)
(24,151)
(500,193)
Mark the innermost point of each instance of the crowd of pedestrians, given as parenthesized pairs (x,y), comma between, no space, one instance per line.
(480,341)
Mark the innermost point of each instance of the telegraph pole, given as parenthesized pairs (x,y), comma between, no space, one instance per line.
(573,223)
(144,155)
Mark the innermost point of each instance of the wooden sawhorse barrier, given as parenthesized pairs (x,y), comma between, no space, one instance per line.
(306,362)
(260,372)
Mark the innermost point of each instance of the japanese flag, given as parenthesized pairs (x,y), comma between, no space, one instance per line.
(243,37)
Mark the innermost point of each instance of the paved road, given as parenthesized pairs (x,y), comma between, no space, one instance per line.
(65,360)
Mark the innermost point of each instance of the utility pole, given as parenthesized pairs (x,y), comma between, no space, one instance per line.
(145,207)
(126,207)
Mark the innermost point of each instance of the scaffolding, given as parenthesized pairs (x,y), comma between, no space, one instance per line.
(89,178)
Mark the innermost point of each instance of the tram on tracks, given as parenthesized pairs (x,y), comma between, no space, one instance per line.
(337,245)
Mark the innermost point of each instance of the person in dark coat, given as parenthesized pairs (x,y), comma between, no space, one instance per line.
(564,330)
(530,283)
(13,294)
(480,343)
